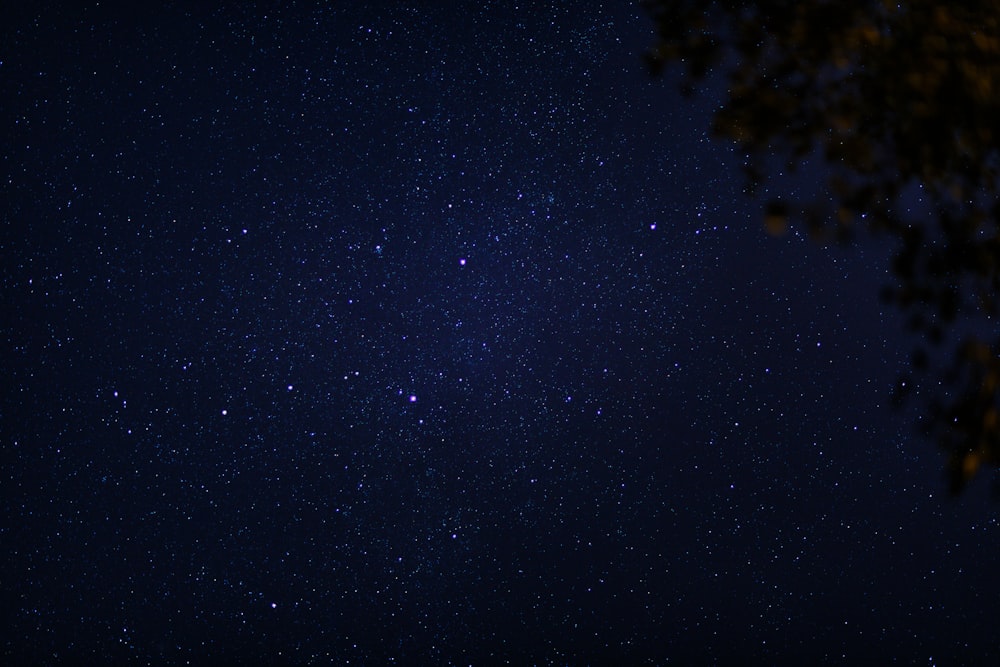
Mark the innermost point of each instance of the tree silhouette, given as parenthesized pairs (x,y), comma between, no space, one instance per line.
(896,98)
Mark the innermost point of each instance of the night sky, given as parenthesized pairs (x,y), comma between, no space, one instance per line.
(435,333)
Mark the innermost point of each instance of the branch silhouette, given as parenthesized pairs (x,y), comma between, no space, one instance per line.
(896,98)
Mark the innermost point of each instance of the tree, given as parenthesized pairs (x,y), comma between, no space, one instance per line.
(896,97)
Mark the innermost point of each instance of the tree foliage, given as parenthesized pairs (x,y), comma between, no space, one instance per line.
(897,98)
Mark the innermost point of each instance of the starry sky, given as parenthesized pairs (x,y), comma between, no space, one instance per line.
(434,334)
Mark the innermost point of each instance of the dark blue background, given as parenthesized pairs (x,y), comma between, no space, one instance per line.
(257,407)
